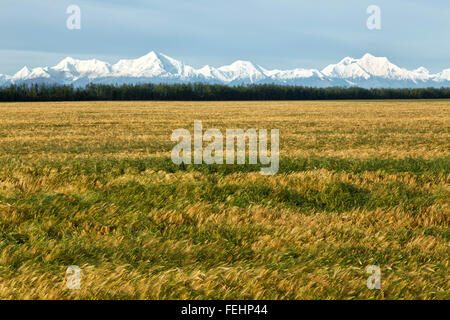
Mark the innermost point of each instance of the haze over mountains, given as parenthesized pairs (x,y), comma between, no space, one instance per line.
(366,72)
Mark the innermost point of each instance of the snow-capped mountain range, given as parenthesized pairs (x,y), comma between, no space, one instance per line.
(367,72)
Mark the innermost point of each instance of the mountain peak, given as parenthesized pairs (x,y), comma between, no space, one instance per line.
(242,69)
(345,69)
(371,58)
(380,67)
(74,68)
(422,70)
(151,55)
(240,65)
(156,57)
(68,60)
(65,64)
(25,69)
(444,75)
(347,61)
(368,56)
(152,64)
(22,73)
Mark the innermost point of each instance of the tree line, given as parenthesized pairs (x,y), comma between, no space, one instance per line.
(207,92)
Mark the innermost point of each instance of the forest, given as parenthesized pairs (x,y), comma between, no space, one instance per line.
(206,92)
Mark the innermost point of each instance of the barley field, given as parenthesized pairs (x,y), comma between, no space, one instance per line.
(92,184)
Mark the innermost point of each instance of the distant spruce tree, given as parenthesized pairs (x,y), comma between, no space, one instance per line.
(207,92)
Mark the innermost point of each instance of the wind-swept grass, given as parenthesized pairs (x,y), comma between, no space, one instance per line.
(92,184)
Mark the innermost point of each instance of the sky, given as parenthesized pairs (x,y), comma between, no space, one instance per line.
(276,34)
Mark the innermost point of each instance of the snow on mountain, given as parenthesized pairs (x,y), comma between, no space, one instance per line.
(368,71)
(150,65)
(381,67)
(293,74)
(370,67)
(82,68)
(242,71)
(39,73)
(347,68)
(210,73)
(444,75)
(22,74)
(4,79)
(300,76)
(421,73)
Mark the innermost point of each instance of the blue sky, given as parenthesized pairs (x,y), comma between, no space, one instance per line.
(272,33)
